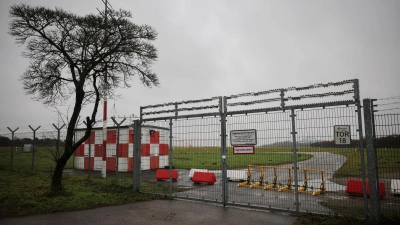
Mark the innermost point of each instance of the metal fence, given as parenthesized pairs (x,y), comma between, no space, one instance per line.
(298,163)
(36,150)
(382,127)
(295,164)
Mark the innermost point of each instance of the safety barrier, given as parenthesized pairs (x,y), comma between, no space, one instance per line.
(192,171)
(275,183)
(204,177)
(164,175)
(236,175)
(395,186)
(354,187)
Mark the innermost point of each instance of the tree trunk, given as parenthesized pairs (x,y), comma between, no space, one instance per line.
(70,145)
(56,182)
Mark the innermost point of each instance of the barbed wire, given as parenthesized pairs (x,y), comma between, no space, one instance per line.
(381,110)
(322,95)
(181,109)
(254,102)
(389,98)
(251,94)
(392,103)
(291,89)
(24,129)
(181,102)
(293,98)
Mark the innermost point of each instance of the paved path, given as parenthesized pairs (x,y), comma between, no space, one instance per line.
(158,212)
(326,161)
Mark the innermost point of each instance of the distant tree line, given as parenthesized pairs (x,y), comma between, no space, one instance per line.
(44,142)
(331,144)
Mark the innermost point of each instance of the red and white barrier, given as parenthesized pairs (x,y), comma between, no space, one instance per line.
(395,186)
(192,171)
(354,187)
(154,149)
(204,177)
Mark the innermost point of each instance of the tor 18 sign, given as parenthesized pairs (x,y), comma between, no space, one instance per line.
(342,135)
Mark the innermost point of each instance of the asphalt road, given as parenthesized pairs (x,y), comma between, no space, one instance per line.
(159,212)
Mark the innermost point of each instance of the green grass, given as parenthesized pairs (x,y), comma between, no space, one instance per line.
(210,158)
(25,192)
(388,159)
(23,160)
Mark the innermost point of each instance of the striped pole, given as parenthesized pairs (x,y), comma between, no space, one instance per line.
(104,161)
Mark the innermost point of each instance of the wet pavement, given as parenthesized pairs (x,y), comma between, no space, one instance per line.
(159,212)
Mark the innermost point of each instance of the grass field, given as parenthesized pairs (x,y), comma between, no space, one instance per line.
(23,160)
(25,192)
(210,158)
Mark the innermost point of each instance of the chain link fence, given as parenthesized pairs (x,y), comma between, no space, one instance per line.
(382,125)
(295,162)
(304,155)
(32,150)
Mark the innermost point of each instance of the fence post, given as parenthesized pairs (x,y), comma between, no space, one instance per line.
(372,160)
(282,98)
(33,147)
(90,149)
(117,147)
(296,182)
(12,145)
(222,110)
(73,155)
(361,142)
(171,148)
(58,140)
(137,129)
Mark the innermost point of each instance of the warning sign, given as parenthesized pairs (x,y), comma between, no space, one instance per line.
(243,149)
(342,135)
(243,137)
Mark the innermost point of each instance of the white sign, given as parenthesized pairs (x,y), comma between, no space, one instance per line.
(342,135)
(243,149)
(243,137)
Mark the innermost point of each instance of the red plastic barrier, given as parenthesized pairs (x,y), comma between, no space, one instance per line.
(354,187)
(382,191)
(207,177)
(164,175)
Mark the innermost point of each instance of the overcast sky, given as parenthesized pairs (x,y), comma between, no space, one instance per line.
(218,48)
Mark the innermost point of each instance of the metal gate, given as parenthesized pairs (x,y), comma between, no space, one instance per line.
(382,128)
(294,165)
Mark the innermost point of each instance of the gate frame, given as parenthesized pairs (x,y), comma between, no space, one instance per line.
(373,175)
(223,113)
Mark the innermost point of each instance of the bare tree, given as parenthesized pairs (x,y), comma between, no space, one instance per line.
(68,57)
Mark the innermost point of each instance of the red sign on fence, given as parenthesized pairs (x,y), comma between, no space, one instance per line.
(243,150)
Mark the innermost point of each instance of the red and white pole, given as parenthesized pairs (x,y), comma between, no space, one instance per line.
(104,158)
